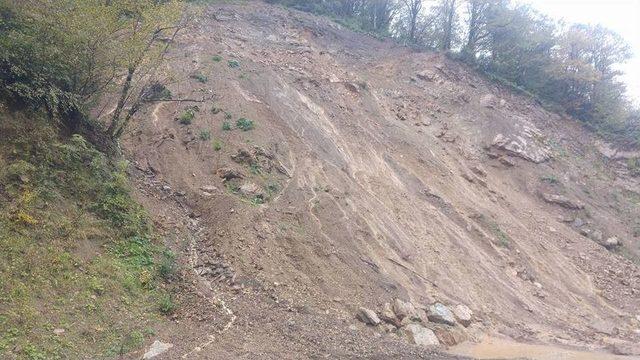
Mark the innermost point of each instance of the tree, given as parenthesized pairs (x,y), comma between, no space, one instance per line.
(65,55)
(411,15)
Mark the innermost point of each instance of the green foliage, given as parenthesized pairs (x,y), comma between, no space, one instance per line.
(188,115)
(217,145)
(59,55)
(73,245)
(245,124)
(205,135)
(233,64)
(216,58)
(226,126)
(228,115)
(200,77)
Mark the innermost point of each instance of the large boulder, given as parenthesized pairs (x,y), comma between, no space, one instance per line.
(450,336)
(612,243)
(403,309)
(526,145)
(420,335)
(368,317)
(463,314)
(387,315)
(439,313)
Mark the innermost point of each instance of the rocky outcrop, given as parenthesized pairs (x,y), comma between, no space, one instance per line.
(563,201)
(526,145)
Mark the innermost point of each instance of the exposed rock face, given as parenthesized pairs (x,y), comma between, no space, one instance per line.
(438,313)
(368,317)
(563,201)
(525,145)
(463,314)
(403,309)
(420,335)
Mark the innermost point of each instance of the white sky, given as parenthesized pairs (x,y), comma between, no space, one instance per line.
(621,16)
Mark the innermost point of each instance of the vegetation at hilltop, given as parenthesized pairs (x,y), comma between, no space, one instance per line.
(573,68)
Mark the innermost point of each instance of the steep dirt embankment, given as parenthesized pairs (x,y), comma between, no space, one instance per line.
(373,172)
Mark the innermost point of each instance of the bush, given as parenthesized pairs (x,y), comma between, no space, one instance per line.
(226,126)
(217,58)
(245,124)
(189,114)
(205,135)
(217,145)
(233,64)
(200,77)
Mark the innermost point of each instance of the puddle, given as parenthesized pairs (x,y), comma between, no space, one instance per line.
(492,348)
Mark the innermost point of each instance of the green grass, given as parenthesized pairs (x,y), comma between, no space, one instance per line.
(217,145)
(216,58)
(245,124)
(234,64)
(76,251)
(226,126)
(188,115)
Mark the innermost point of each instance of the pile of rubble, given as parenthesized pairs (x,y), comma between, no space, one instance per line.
(426,326)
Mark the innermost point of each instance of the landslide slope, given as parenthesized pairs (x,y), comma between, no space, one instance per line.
(370,172)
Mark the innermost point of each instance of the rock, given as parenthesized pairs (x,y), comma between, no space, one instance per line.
(58,331)
(612,243)
(209,188)
(479,170)
(597,236)
(427,75)
(604,327)
(463,314)
(578,222)
(438,313)
(507,162)
(368,317)
(387,315)
(489,101)
(157,348)
(450,336)
(420,335)
(229,174)
(403,309)
(562,201)
(526,145)
(250,189)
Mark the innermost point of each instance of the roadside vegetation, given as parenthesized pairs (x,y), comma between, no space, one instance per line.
(81,271)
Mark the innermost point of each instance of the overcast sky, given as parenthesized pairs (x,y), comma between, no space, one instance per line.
(622,16)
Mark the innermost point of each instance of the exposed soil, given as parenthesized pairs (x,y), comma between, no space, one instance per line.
(373,173)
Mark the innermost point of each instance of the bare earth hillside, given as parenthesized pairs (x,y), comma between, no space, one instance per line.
(371,173)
